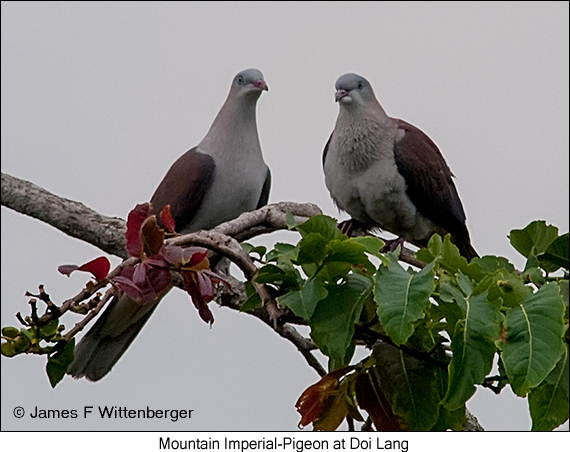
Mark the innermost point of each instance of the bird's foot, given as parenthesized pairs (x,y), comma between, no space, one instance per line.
(348,227)
(391,245)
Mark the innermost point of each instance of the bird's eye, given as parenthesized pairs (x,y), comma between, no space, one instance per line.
(240,80)
(360,85)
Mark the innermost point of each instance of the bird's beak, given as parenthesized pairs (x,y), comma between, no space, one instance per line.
(261,85)
(340,94)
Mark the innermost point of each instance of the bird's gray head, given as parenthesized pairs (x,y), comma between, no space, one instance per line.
(250,83)
(353,89)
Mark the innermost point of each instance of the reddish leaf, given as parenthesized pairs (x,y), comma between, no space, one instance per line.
(152,236)
(192,283)
(178,256)
(129,287)
(371,399)
(157,261)
(205,286)
(139,274)
(217,278)
(135,220)
(311,403)
(98,267)
(67,269)
(145,282)
(167,219)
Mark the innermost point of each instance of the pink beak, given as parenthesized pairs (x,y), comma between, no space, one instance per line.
(261,85)
(340,94)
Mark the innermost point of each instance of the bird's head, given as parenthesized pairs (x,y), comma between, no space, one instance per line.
(353,90)
(249,83)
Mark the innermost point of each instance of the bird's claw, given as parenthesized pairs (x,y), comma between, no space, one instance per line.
(391,245)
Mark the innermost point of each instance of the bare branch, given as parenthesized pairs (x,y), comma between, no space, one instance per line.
(92,313)
(70,217)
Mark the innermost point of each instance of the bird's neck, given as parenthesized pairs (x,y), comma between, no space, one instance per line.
(235,127)
(364,135)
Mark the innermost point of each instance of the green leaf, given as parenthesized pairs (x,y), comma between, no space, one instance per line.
(304,301)
(332,324)
(473,347)
(282,253)
(58,363)
(481,267)
(252,302)
(27,333)
(10,331)
(351,252)
(313,291)
(533,239)
(372,244)
(533,341)
(534,274)
(510,288)
(451,258)
(565,294)
(548,403)
(320,224)
(334,271)
(253,299)
(293,301)
(464,284)
(556,255)
(8,349)
(248,248)
(454,420)
(283,276)
(402,297)
(432,250)
(312,249)
(290,218)
(19,341)
(49,330)
(412,387)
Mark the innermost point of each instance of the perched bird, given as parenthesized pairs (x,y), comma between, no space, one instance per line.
(386,173)
(216,181)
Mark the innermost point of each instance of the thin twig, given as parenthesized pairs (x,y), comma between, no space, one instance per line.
(92,313)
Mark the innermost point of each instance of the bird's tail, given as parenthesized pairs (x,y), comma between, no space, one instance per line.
(109,338)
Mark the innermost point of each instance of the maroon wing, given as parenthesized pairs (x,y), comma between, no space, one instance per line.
(430,184)
(184,187)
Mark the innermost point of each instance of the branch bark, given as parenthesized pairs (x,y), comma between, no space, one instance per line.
(70,217)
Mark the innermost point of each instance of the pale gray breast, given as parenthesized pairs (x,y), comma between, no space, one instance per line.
(236,188)
(364,181)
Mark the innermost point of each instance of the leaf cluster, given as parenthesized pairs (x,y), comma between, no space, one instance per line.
(434,333)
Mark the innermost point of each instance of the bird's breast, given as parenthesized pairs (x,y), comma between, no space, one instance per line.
(376,196)
(236,188)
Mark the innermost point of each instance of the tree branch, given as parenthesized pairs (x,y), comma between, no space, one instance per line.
(70,217)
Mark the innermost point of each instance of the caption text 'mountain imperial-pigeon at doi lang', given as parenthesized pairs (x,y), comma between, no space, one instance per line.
(286,443)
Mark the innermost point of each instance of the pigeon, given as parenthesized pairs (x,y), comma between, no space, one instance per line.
(387,174)
(222,177)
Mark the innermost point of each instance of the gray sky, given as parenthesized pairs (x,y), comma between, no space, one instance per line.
(98,99)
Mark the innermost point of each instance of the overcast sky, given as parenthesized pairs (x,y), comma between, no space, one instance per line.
(98,100)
